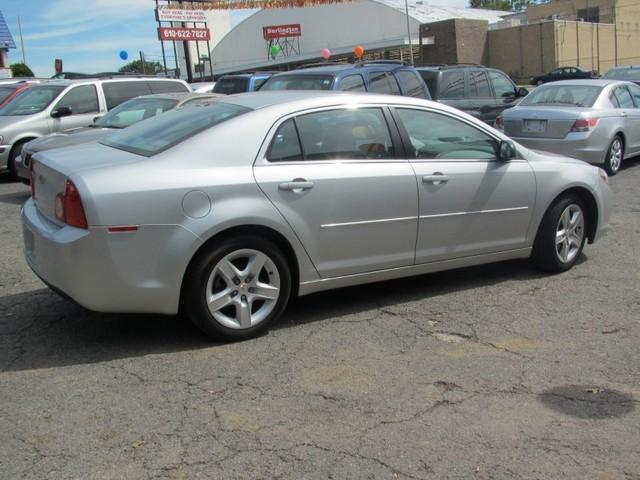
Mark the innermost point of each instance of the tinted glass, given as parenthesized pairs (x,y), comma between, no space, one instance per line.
(381,82)
(117,92)
(412,84)
(258,82)
(360,133)
(298,82)
(134,111)
(479,84)
(430,77)
(452,86)
(231,85)
(575,95)
(79,100)
(32,100)
(164,131)
(502,86)
(285,146)
(436,136)
(624,97)
(632,74)
(5,92)
(167,86)
(635,93)
(352,83)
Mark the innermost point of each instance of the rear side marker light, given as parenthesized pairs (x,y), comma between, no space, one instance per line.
(584,124)
(122,229)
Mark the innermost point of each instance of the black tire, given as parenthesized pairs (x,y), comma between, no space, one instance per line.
(13,155)
(545,255)
(610,166)
(194,292)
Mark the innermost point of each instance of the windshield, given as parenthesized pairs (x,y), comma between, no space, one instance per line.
(574,95)
(298,82)
(134,111)
(5,92)
(32,100)
(164,131)
(230,85)
(632,74)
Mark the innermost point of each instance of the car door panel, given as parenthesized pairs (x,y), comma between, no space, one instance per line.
(632,121)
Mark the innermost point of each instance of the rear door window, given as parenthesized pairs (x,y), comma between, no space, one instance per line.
(411,82)
(352,83)
(345,134)
(231,85)
(117,92)
(624,98)
(452,86)
(635,93)
(285,146)
(382,82)
(502,85)
(167,86)
(82,99)
(479,84)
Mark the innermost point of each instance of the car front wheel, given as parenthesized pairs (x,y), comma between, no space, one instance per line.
(561,235)
(615,154)
(235,289)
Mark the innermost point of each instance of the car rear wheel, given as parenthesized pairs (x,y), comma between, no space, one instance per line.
(235,289)
(561,235)
(615,154)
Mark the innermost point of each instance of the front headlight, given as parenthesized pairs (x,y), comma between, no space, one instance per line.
(603,175)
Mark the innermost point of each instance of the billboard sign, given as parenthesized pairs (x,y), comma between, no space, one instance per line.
(184,34)
(281,31)
(180,15)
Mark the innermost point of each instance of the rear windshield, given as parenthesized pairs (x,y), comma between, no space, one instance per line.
(134,111)
(298,82)
(559,95)
(632,74)
(32,100)
(231,85)
(164,131)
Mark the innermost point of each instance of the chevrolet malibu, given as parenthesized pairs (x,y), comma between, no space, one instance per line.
(224,211)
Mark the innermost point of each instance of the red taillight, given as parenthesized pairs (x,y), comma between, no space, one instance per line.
(584,124)
(499,124)
(68,207)
(32,179)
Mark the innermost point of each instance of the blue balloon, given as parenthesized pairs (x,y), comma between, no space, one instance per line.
(123,54)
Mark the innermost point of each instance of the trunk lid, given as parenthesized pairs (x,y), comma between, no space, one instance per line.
(52,168)
(543,122)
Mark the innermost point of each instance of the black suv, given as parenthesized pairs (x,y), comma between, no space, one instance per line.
(477,90)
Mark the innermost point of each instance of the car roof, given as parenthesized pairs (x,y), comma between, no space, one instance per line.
(594,82)
(334,68)
(181,95)
(245,75)
(625,67)
(123,78)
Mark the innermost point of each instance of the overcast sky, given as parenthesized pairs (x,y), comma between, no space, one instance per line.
(89,34)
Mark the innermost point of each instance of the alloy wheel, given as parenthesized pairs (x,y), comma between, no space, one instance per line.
(243,289)
(570,233)
(615,155)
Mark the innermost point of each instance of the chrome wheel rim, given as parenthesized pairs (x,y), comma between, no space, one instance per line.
(570,233)
(243,289)
(615,155)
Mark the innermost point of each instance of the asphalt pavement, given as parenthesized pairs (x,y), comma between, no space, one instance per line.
(491,372)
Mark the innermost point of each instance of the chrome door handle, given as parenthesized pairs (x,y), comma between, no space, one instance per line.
(296,185)
(435,179)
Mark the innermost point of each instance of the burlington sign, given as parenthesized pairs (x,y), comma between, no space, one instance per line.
(281,31)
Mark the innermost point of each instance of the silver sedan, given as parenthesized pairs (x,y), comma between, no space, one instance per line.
(597,121)
(224,211)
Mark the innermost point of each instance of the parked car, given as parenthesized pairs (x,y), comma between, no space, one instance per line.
(202,87)
(240,83)
(395,78)
(597,121)
(227,210)
(124,115)
(629,73)
(563,73)
(477,90)
(63,104)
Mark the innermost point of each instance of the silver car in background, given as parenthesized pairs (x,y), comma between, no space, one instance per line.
(597,121)
(123,116)
(226,210)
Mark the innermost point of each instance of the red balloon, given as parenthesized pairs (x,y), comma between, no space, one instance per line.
(359,51)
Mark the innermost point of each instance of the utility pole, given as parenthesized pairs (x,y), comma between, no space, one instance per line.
(24,60)
(406,11)
(142,61)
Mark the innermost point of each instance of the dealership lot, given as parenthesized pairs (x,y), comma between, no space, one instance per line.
(489,372)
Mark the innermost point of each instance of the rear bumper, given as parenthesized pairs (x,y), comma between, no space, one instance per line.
(574,145)
(130,272)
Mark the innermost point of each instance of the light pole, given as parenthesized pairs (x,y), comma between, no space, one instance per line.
(406,10)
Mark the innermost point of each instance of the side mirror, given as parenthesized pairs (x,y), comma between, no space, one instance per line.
(61,112)
(522,92)
(506,151)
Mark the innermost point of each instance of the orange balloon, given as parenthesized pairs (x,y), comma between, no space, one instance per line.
(359,51)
